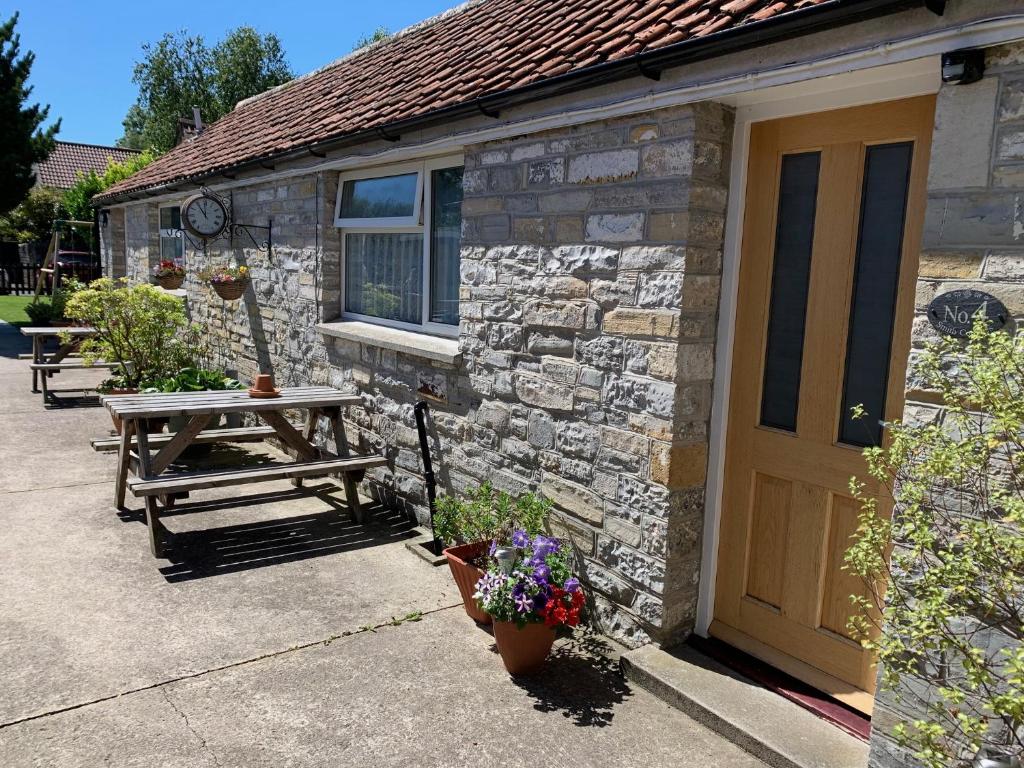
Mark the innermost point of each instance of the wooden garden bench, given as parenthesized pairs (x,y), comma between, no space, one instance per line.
(158,488)
(44,365)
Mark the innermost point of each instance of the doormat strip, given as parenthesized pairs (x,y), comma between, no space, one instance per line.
(824,706)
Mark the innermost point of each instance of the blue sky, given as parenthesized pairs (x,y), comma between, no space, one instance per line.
(85,51)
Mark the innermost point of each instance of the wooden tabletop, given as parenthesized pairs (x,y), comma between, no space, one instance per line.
(162,405)
(57,330)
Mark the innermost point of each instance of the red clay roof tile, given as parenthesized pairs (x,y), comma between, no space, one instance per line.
(60,170)
(477,50)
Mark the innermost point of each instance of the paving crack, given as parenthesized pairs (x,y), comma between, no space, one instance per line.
(412,616)
(206,747)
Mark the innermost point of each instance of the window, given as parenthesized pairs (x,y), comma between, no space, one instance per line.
(172,244)
(401,229)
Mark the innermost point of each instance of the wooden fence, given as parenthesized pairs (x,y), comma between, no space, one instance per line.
(18,279)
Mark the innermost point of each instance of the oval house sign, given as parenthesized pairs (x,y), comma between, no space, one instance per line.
(953,313)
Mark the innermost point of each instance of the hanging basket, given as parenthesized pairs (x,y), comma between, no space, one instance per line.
(231,291)
(170,282)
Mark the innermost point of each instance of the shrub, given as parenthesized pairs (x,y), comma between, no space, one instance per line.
(33,218)
(40,312)
(949,630)
(487,515)
(137,327)
(192,380)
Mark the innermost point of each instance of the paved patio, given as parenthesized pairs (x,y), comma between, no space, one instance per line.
(268,642)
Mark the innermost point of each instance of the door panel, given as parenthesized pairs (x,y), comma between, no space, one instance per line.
(829,258)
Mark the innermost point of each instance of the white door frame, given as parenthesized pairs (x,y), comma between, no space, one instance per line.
(883,83)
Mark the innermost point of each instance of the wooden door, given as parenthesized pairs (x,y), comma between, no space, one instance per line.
(833,221)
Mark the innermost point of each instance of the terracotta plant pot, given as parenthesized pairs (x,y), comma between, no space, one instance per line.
(466,576)
(231,291)
(523,651)
(171,282)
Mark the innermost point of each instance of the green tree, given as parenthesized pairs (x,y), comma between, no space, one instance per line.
(945,614)
(32,219)
(379,34)
(76,200)
(246,63)
(180,72)
(22,137)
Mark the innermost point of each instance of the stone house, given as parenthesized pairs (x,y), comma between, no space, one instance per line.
(641,255)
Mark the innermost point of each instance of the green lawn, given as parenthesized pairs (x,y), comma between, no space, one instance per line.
(12,309)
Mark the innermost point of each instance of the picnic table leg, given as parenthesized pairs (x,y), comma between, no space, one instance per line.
(35,360)
(308,433)
(157,532)
(124,458)
(342,449)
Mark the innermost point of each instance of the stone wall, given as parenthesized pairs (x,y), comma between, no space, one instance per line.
(590,282)
(112,243)
(591,267)
(142,241)
(973,238)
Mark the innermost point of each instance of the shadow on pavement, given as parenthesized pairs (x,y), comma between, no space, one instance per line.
(198,554)
(581,680)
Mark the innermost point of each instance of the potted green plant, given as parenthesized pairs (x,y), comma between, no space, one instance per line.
(530,592)
(228,282)
(468,527)
(191,379)
(169,275)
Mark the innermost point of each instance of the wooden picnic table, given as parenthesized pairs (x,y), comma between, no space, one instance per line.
(49,364)
(159,488)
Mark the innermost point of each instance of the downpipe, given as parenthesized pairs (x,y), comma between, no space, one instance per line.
(420,410)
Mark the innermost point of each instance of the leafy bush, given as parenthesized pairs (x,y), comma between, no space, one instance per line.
(944,613)
(75,201)
(192,380)
(41,312)
(33,218)
(486,515)
(137,327)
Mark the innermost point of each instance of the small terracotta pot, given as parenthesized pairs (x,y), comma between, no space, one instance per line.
(523,651)
(466,576)
(171,282)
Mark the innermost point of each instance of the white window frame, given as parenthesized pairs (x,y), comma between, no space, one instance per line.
(170,233)
(420,225)
(375,223)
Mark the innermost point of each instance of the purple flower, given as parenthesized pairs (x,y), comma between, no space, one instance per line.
(520,539)
(523,602)
(572,584)
(541,574)
(543,546)
(493,549)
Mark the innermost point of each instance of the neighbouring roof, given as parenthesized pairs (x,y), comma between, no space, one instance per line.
(477,50)
(60,170)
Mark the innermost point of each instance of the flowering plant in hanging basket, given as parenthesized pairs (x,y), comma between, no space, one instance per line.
(228,282)
(530,593)
(169,274)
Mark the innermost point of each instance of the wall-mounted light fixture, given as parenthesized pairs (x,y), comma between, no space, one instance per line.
(963,67)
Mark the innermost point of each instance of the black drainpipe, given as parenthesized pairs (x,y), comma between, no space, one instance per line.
(421,409)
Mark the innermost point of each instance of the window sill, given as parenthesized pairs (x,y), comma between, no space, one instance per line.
(407,342)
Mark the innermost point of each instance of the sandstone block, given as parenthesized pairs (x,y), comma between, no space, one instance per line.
(572,498)
(615,227)
(539,392)
(642,322)
(603,167)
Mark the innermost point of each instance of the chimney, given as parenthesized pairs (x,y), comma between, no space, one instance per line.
(197,120)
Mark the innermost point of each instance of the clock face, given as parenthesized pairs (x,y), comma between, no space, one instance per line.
(204,216)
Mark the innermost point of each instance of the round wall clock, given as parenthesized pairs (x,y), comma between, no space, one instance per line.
(204,215)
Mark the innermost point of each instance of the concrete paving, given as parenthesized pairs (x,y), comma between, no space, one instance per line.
(253,645)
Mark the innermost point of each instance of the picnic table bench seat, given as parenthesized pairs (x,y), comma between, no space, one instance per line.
(195,481)
(47,365)
(207,436)
(71,366)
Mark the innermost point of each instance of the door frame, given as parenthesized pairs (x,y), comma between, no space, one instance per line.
(885,83)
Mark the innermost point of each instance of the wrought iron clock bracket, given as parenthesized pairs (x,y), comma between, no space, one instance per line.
(259,235)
